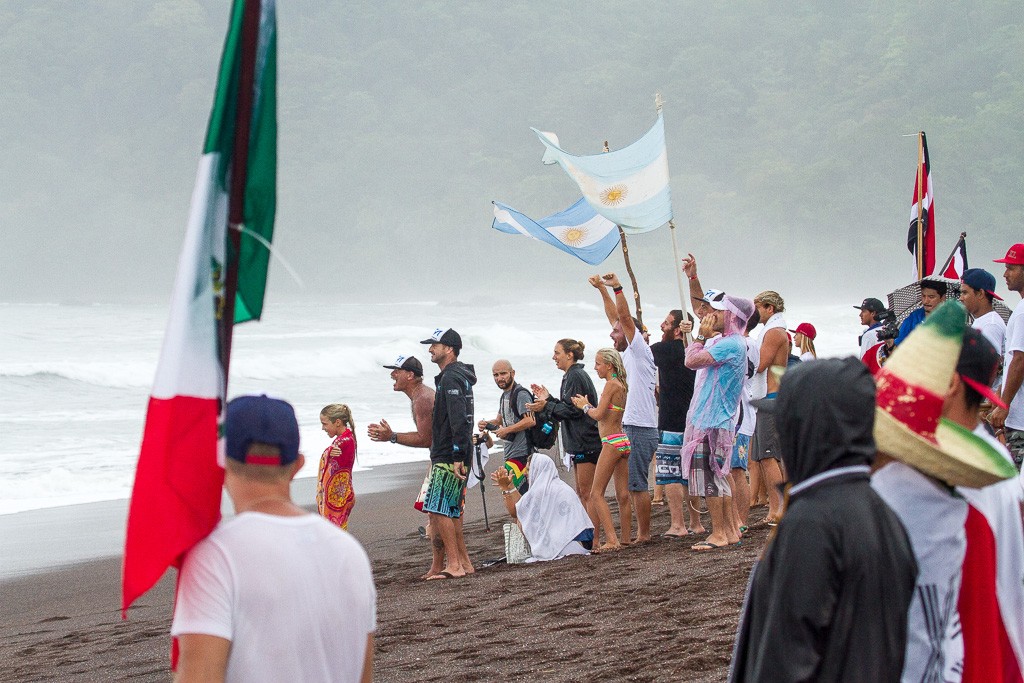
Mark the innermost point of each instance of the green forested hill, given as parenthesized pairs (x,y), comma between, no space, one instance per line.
(401,121)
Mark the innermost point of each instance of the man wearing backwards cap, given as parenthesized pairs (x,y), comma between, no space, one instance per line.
(992,591)
(922,456)
(451,448)
(274,593)
(407,374)
(977,290)
(1012,420)
(828,600)
(871,312)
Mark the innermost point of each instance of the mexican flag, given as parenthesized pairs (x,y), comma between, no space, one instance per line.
(221,280)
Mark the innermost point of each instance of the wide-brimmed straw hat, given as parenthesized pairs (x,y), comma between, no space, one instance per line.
(908,415)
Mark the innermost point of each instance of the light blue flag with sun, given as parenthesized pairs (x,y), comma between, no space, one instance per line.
(627,186)
(578,230)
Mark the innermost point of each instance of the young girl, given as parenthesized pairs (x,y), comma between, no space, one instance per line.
(334,494)
(615,448)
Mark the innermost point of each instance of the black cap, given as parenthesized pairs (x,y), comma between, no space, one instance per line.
(448,337)
(409,363)
(872,305)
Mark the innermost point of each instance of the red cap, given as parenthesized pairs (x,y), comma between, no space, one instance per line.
(1014,256)
(807,330)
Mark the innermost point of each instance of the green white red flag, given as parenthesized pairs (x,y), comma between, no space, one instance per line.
(221,280)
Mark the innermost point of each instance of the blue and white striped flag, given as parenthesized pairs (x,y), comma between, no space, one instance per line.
(629,186)
(578,230)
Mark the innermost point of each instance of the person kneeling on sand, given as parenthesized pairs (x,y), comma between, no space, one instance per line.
(552,518)
(274,593)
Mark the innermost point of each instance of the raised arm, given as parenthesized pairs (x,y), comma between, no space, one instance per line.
(690,268)
(606,299)
(622,314)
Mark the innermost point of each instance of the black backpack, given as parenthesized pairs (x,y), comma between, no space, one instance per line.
(544,433)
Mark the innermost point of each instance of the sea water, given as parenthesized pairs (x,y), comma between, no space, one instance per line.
(75,380)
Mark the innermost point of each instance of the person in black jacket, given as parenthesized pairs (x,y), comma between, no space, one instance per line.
(828,600)
(451,448)
(580,437)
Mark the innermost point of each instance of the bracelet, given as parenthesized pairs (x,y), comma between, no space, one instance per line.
(692,277)
(617,290)
(508,493)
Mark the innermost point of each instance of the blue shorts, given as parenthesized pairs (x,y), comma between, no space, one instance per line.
(740,449)
(668,460)
(643,442)
(446,493)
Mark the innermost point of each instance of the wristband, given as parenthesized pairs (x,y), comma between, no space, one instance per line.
(692,277)
(617,290)
(508,493)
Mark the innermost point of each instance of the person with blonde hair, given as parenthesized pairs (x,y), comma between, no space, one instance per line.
(334,493)
(615,447)
(803,339)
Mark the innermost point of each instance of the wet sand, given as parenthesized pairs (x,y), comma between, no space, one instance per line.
(654,611)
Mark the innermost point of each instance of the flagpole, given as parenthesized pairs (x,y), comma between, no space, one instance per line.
(240,164)
(920,205)
(952,254)
(629,266)
(683,298)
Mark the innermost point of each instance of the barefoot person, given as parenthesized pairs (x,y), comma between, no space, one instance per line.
(615,446)
(334,494)
(407,374)
(580,437)
(640,421)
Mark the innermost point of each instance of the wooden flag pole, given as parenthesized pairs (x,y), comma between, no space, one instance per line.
(920,205)
(629,267)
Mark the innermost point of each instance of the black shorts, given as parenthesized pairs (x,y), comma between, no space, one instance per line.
(586,458)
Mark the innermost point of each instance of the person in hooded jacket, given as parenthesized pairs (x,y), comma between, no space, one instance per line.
(828,600)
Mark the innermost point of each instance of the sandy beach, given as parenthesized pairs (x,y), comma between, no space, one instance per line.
(653,611)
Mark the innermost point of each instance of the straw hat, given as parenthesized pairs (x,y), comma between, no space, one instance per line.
(912,386)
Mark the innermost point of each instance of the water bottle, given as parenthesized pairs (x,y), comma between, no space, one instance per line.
(547,427)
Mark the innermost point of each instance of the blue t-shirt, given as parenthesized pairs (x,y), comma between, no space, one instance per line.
(912,321)
(717,401)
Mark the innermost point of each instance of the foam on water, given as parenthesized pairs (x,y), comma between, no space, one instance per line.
(75,380)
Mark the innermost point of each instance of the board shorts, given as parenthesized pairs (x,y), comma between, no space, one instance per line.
(740,450)
(766,437)
(585,458)
(516,468)
(645,443)
(668,460)
(1015,444)
(703,480)
(446,493)
(620,442)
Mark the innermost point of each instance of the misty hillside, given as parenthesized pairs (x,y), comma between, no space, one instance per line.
(400,122)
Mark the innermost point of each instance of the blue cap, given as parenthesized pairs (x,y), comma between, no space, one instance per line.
(979,278)
(259,419)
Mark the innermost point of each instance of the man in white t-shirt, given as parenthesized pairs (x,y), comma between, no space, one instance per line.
(640,419)
(977,290)
(1012,420)
(274,593)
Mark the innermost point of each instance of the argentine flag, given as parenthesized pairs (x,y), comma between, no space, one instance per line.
(628,186)
(578,230)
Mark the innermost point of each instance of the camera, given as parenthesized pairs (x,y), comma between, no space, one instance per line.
(889,329)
